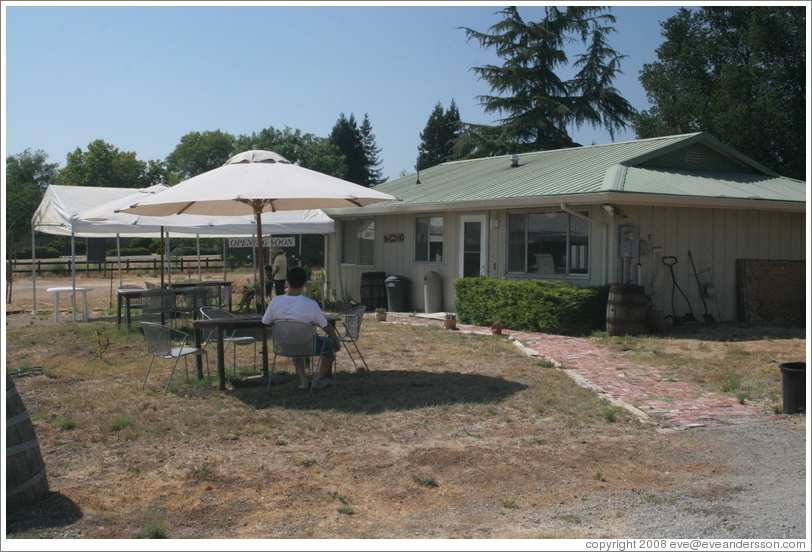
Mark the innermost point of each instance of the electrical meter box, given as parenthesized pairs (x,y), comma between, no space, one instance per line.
(628,241)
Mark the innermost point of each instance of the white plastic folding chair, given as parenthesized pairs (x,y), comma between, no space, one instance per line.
(352,318)
(297,340)
(234,337)
(166,342)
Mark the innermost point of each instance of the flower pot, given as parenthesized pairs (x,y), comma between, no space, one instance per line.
(450,323)
(381,316)
(496,330)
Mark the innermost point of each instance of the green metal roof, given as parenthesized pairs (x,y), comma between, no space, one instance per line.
(650,166)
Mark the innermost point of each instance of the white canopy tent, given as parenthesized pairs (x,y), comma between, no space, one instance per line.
(90,212)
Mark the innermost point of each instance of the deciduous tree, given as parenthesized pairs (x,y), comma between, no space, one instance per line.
(199,152)
(27,176)
(104,165)
(737,73)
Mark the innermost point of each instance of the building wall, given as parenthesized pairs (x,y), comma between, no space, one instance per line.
(715,237)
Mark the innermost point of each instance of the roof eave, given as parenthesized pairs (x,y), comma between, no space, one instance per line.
(625,198)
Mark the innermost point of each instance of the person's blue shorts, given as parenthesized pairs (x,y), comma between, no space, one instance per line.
(326,342)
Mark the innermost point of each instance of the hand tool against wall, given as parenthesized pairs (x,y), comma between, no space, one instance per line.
(689,317)
(709,320)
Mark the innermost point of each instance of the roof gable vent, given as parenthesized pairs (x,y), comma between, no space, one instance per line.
(692,157)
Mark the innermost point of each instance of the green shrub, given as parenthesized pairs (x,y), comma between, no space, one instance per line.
(128,252)
(144,243)
(43,252)
(531,305)
(192,251)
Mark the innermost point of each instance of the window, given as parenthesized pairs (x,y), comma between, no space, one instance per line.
(428,241)
(358,240)
(548,243)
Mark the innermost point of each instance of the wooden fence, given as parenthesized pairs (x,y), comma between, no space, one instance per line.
(148,263)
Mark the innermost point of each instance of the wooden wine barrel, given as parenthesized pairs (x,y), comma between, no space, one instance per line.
(626,310)
(26,482)
(373,290)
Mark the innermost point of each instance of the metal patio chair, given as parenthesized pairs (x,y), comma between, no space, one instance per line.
(166,342)
(351,319)
(297,341)
(159,301)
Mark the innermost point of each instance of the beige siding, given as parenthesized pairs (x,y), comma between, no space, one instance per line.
(715,237)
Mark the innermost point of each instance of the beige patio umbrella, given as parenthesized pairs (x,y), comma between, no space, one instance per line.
(254,182)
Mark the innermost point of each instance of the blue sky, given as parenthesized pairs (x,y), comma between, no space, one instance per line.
(142,76)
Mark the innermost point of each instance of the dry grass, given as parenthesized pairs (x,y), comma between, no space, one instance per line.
(735,360)
(449,436)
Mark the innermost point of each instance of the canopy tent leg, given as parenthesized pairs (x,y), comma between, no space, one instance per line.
(118,249)
(225,241)
(34,265)
(73,274)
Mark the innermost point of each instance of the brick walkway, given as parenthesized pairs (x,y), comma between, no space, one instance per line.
(640,389)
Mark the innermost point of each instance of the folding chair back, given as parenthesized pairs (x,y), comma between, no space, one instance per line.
(166,342)
(158,301)
(294,339)
(352,319)
(190,301)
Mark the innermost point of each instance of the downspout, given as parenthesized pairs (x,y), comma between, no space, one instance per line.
(605,226)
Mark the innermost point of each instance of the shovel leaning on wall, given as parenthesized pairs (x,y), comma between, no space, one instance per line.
(709,319)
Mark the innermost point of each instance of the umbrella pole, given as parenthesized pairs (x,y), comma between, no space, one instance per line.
(261,253)
(162,256)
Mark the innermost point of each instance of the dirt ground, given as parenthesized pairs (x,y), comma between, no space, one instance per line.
(474,477)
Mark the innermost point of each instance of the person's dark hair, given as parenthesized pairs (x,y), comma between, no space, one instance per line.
(297,277)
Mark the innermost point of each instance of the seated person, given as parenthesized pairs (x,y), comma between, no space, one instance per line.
(248,294)
(295,306)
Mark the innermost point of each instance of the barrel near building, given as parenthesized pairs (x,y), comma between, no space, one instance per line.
(626,310)
(26,480)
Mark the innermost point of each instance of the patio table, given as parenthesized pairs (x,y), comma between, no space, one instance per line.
(57,290)
(223,326)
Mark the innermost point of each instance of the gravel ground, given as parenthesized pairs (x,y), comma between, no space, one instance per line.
(750,484)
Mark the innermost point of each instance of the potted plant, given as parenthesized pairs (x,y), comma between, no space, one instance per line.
(450,321)
(380,314)
(496,326)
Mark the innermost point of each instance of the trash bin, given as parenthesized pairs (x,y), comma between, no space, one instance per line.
(397,294)
(793,381)
(433,292)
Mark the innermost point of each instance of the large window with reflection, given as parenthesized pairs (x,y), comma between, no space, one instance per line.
(428,239)
(548,243)
(357,241)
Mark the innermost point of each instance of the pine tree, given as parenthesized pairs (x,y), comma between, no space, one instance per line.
(347,137)
(438,137)
(371,152)
(538,106)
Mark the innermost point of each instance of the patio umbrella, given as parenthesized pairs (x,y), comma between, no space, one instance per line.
(254,182)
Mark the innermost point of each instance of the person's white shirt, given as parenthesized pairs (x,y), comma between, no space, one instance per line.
(294,307)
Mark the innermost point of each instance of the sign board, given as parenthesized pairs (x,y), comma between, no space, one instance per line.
(289,241)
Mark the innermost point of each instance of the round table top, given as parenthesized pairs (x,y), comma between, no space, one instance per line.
(69,289)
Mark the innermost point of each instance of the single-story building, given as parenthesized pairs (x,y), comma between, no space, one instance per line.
(731,230)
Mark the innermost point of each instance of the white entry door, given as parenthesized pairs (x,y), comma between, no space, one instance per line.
(473,245)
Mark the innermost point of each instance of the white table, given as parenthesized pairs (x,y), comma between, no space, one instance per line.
(57,290)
